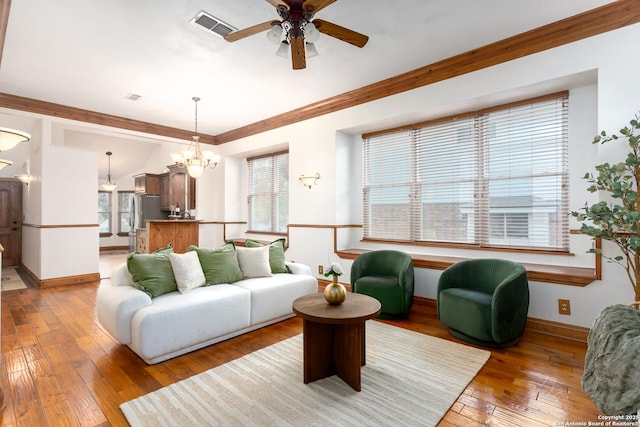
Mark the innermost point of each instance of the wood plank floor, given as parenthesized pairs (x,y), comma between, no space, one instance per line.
(60,368)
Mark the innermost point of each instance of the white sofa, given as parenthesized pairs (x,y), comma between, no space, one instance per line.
(176,323)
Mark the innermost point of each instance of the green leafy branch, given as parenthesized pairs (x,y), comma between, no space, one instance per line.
(618,220)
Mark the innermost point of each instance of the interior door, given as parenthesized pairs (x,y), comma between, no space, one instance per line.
(11,221)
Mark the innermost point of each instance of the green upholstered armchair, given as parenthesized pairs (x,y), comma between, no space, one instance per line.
(387,276)
(484,301)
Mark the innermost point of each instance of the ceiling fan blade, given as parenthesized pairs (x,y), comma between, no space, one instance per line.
(240,34)
(298,56)
(342,33)
(313,6)
(279,3)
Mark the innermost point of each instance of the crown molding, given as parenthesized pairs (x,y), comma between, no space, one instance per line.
(609,17)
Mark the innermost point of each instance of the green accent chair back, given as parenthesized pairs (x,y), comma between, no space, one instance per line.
(484,301)
(387,276)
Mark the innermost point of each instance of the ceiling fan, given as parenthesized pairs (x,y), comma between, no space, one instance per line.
(297,30)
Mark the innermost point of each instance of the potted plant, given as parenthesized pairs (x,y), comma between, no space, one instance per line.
(618,218)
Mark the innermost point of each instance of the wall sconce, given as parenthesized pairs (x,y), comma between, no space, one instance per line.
(308,181)
(26,179)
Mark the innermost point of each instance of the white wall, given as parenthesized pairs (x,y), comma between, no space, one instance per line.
(603,96)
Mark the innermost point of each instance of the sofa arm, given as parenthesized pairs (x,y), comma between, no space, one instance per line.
(115,307)
(121,276)
(297,268)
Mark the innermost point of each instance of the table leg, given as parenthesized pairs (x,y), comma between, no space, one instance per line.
(318,351)
(363,346)
(333,349)
(349,353)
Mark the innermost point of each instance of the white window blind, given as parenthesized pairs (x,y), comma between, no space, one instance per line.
(104,212)
(125,211)
(496,178)
(268,200)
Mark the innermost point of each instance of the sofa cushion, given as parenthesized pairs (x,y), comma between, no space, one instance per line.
(276,254)
(272,297)
(176,323)
(254,262)
(385,289)
(152,273)
(467,311)
(219,265)
(187,271)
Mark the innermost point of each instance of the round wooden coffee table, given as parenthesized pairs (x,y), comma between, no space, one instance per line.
(334,336)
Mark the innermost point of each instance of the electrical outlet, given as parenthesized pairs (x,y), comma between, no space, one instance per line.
(564,306)
(320,269)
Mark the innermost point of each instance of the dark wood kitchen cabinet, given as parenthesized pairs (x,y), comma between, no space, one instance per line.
(147,183)
(165,200)
(177,187)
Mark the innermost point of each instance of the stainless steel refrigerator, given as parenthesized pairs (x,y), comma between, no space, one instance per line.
(145,207)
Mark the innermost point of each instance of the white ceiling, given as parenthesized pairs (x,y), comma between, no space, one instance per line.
(92,54)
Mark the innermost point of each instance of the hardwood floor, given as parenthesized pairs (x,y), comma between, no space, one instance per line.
(61,368)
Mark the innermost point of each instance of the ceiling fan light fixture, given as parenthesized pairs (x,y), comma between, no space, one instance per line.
(311,34)
(283,49)
(274,35)
(297,27)
(311,50)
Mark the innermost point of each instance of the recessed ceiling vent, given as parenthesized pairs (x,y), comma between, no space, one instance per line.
(213,24)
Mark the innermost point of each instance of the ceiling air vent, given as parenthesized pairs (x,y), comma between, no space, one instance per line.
(213,24)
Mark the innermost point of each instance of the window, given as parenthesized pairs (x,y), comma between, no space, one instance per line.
(269,193)
(125,212)
(104,213)
(494,178)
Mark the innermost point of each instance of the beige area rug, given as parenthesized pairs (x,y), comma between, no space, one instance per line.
(409,379)
(11,280)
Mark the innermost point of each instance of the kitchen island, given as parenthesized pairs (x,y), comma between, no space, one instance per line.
(158,233)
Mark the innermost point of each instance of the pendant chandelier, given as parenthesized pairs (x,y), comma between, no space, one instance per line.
(193,158)
(109,186)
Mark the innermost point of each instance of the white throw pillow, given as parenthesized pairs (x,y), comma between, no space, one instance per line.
(187,271)
(254,262)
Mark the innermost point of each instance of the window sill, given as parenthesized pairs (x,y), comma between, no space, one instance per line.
(574,276)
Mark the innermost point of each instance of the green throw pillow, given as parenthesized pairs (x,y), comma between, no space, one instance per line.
(152,273)
(166,250)
(219,265)
(276,254)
